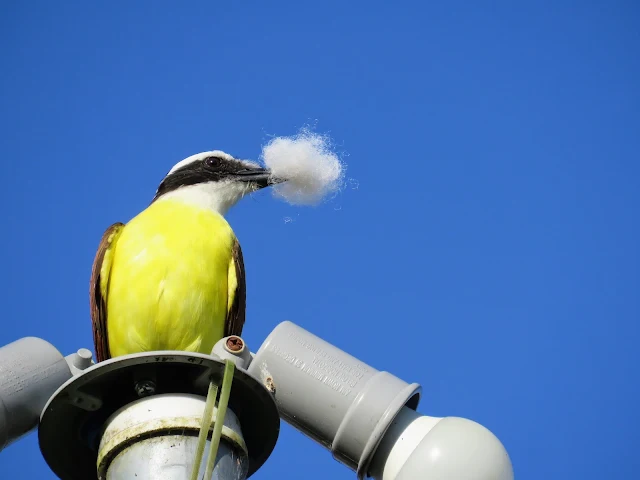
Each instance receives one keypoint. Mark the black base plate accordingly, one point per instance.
(72, 420)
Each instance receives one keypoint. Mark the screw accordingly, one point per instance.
(144, 388)
(234, 344)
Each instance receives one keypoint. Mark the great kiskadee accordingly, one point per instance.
(173, 277)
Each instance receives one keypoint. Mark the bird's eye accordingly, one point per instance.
(211, 161)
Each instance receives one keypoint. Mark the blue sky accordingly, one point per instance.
(492, 225)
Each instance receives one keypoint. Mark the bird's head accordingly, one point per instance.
(213, 180)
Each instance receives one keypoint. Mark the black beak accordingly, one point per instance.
(260, 176)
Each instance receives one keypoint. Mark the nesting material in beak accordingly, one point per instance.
(311, 170)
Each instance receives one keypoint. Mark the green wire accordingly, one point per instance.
(204, 428)
(229, 369)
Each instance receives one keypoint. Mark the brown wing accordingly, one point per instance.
(236, 314)
(97, 298)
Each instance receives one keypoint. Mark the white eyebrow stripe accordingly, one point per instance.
(200, 156)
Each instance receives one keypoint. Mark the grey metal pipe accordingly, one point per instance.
(332, 397)
(31, 369)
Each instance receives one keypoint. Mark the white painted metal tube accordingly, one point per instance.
(155, 438)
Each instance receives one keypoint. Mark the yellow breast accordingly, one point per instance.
(168, 285)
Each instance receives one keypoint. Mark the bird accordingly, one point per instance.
(173, 277)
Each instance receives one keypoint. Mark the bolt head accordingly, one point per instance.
(234, 344)
(144, 388)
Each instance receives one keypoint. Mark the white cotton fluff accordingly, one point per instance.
(306, 161)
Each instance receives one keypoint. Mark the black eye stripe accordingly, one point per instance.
(221, 166)
(206, 170)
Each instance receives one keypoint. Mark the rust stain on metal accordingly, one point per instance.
(268, 382)
(234, 343)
